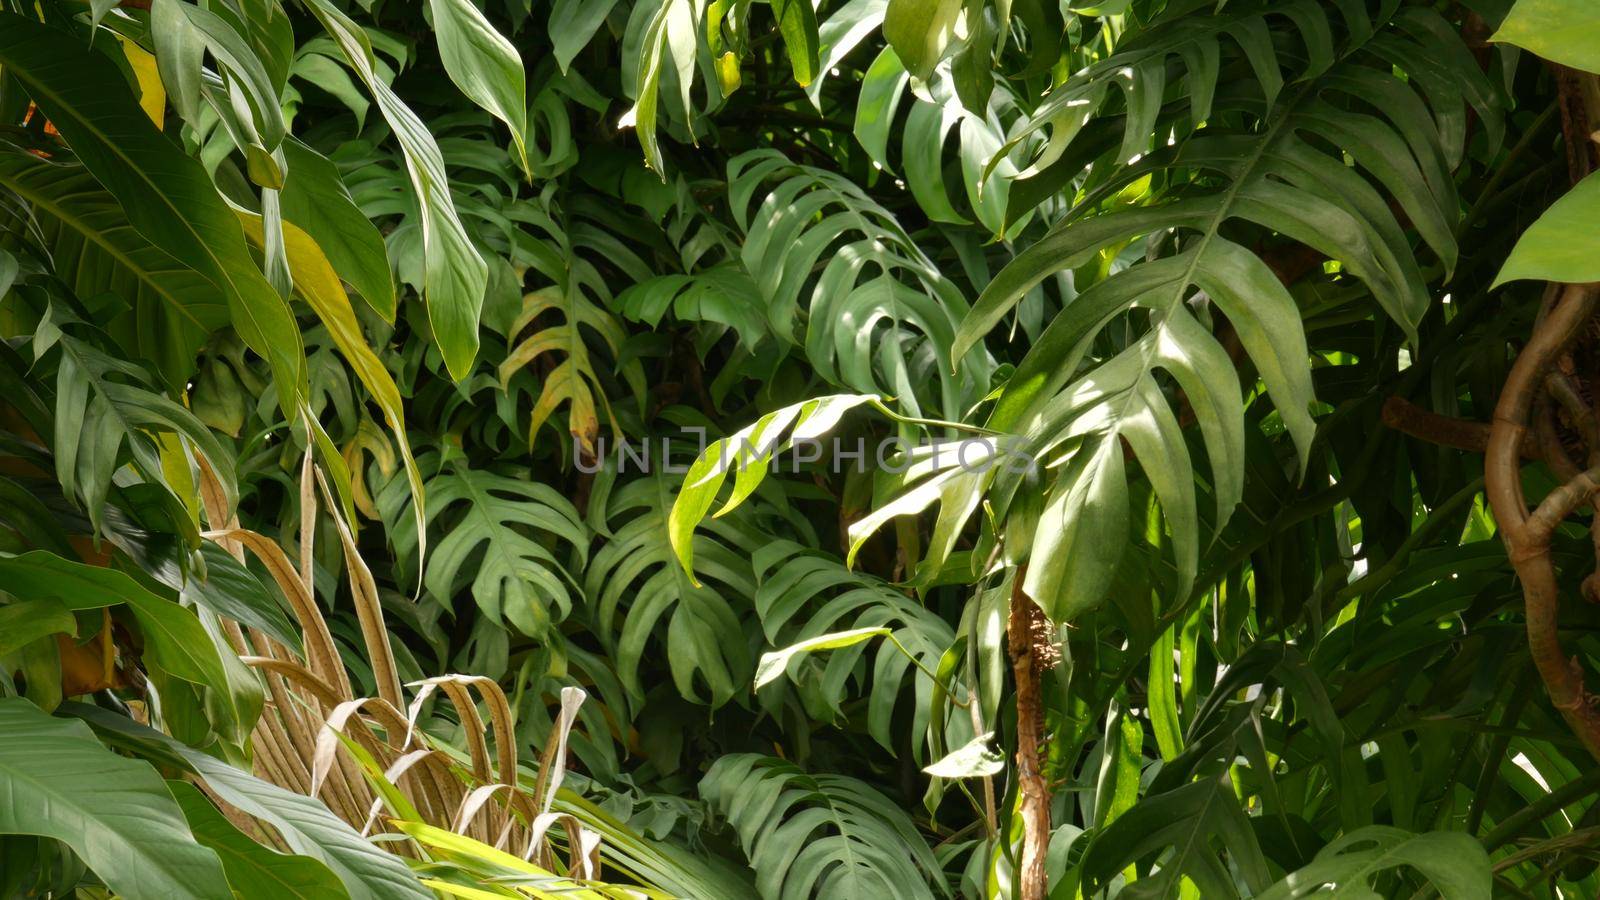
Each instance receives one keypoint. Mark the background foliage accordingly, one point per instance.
(337, 335)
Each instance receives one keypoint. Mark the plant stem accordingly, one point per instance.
(1528, 537)
(1026, 616)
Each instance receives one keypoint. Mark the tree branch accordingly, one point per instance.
(1527, 538)
(1424, 424)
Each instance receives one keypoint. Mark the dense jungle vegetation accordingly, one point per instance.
(848, 449)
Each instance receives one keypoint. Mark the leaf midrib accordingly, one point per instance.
(482, 508)
(43, 787)
(1225, 202)
(38, 88)
(97, 237)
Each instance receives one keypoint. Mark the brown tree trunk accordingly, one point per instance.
(1026, 628)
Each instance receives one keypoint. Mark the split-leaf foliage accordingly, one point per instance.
(714, 381)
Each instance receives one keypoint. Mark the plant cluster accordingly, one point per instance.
(420, 464)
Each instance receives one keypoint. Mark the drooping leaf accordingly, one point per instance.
(455, 275)
(669, 37)
(89, 102)
(484, 65)
(797, 23)
(190, 26)
(254, 872)
(747, 453)
(318, 284)
(573, 24)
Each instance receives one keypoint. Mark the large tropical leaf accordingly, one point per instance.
(1274, 176)
(176, 644)
(455, 275)
(254, 872)
(1559, 30)
(317, 200)
(823, 835)
(1454, 864)
(635, 583)
(805, 595)
(501, 536)
(1557, 246)
(307, 827)
(56, 780)
(1191, 824)
(484, 65)
(578, 295)
(95, 249)
(89, 102)
(874, 273)
(107, 414)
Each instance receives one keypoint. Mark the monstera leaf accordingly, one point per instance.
(1274, 176)
(578, 295)
(806, 595)
(636, 578)
(819, 835)
(500, 540)
(872, 271)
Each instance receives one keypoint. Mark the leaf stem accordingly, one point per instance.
(928, 672)
(878, 404)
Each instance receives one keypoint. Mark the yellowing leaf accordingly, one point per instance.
(318, 284)
(152, 96)
(177, 467)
